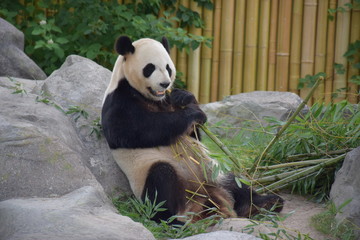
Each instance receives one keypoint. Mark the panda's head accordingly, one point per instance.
(147, 66)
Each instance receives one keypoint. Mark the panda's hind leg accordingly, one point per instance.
(247, 202)
(164, 184)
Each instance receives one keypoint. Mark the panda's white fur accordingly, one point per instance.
(152, 137)
(130, 69)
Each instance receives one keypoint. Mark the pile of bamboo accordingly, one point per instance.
(269, 45)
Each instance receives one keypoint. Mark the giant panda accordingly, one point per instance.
(153, 137)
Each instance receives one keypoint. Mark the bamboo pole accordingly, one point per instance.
(342, 43)
(215, 52)
(205, 75)
(277, 177)
(320, 49)
(283, 46)
(251, 35)
(181, 62)
(284, 182)
(272, 45)
(173, 50)
(308, 39)
(295, 52)
(238, 58)
(263, 53)
(284, 127)
(295, 164)
(226, 47)
(330, 54)
(193, 83)
(353, 96)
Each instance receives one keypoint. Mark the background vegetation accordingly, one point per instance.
(56, 29)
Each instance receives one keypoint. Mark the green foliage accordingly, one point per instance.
(326, 223)
(142, 211)
(325, 131)
(18, 87)
(310, 80)
(77, 112)
(346, 7)
(90, 27)
(325, 128)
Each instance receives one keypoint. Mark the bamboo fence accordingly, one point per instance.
(268, 45)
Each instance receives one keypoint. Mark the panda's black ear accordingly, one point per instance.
(165, 43)
(124, 45)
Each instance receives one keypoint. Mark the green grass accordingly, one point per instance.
(326, 223)
(142, 212)
(320, 134)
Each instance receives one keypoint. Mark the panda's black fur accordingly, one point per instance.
(144, 126)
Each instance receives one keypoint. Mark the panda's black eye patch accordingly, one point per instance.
(168, 69)
(148, 70)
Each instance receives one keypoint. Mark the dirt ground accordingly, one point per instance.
(299, 221)
(301, 218)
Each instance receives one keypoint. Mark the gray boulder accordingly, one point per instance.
(347, 186)
(222, 235)
(41, 154)
(81, 82)
(60, 156)
(83, 214)
(13, 61)
(249, 110)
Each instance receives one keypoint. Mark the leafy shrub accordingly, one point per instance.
(89, 28)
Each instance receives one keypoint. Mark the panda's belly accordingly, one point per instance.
(187, 156)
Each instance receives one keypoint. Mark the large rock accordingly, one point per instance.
(347, 186)
(83, 214)
(82, 82)
(249, 110)
(41, 154)
(60, 156)
(222, 235)
(13, 61)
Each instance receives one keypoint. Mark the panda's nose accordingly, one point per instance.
(164, 84)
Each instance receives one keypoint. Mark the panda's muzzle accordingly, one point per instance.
(159, 93)
(156, 93)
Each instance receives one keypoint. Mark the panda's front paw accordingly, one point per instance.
(195, 113)
(182, 98)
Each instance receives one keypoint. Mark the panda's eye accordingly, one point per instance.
(168, 69)
(148, 70)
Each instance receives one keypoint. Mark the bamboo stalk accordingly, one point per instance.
(173, 50)
(193, 83)
(353, 96)
(284, 127)
(308, 39)
(330, 54)
(222, 146)
(238, 58)
(251, 35)
(181, 62)
(272, 45)
(205, 75)
(295, 164)
(295, 52)
(215, 52)
(263, 53)
(283, 46)
(320, 49)
(226, 47)
(308, 155)
(342, 42)
(283, 182)
(277, 177)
